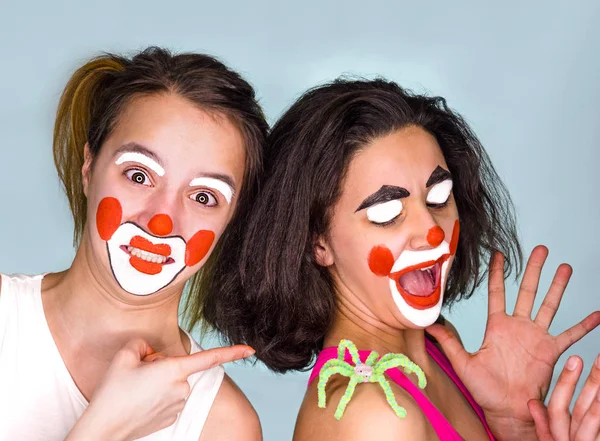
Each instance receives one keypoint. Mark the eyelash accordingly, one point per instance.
(385, 224)
(439, 206)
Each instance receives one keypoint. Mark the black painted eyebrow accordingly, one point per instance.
(438, 175)
(385, 194)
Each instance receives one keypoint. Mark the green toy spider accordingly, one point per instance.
(371, 371)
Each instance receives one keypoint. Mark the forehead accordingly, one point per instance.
(186, 138)
(405, 158)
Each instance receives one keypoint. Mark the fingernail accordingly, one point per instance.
(598, 361)
(572, 363)
(249, 353)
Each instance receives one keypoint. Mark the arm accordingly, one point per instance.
(125, 407)
(220, 426)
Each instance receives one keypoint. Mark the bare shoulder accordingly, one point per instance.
(231, 416)
(367, 416)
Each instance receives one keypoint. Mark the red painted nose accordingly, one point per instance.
(161, 225)
(435, 236)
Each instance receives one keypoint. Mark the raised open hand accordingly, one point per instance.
(555, 423)
(517, 357)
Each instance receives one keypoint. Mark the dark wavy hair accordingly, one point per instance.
(269, 292)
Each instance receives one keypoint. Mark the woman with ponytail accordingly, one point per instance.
(159, 154)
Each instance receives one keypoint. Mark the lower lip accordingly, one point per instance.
(145, 267)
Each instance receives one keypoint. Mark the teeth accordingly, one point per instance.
(428, 268)
(145, 255)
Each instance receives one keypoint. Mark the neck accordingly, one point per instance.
(355, 322)
(86, 307)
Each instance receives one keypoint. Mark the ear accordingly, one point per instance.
(86, 169)
(322, 250)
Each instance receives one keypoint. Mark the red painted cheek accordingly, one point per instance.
(161, 225)
(435, 236)
(198, 246)
(108, 217)
(455, 234)
(381, 260)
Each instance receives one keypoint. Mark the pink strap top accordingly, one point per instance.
(440, 424)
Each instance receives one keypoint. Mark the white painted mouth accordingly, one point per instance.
(408, 259)
(129, 278)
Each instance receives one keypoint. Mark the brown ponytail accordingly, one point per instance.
(71, 130)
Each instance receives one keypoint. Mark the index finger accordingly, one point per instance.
(204, 360)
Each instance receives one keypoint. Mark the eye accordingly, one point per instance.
(385, 212)
(440, 193)
(205, 198)
(137, 176)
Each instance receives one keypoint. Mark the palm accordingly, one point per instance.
(517, 357)
(514, 364)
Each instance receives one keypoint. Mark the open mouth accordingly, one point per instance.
(147, 257)
(419, 285)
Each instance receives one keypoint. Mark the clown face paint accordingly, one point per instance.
(372, 246)
(216, 184)
(141, 159)
(382, 213)
(417, 278)
(144, 263)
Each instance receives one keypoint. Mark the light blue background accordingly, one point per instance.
(525, 75)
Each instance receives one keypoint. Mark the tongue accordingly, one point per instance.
(417, 283)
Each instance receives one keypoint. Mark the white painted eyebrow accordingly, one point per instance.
(223, 187)
(142, 159)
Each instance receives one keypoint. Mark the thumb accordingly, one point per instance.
(201, 361)
(133, 352)
(540, 418)
(451, 346)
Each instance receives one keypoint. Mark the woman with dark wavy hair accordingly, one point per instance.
(380, 207)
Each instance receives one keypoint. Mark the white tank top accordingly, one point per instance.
(39, 400)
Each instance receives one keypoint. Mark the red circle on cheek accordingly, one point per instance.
(381, 260)
(198, 246)
(161, 225)
(108, 217)
(435, 236)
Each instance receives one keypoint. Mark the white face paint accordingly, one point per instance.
(408, 259)
(440, 193)
(141, 159)
(384, 212)
(216, 184)
(121, 254)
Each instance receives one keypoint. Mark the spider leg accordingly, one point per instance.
(390, 361)
(330, 368)
(391, 399)
(373, 356)
(339, 412)
(347, 344)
